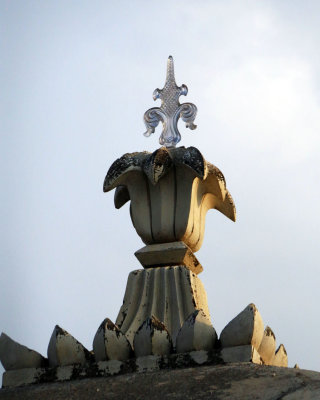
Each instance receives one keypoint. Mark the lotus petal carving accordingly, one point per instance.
(171, 191)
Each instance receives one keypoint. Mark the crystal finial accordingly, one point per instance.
(170, 110)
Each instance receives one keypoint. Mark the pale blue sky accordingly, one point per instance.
(76, 78)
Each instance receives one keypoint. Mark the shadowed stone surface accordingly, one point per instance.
(14, 355)
(152, 338)
(235, 381)
(197, 333)
(245, 329)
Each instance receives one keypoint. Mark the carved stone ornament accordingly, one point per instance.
(164, 320)
(171, 191)
(170, 110)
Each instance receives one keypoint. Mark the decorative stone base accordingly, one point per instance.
(171, 294)
(27, 376)
(224, 382)
(238, 354)
(166, 254)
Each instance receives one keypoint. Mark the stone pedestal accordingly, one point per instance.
(170, 294)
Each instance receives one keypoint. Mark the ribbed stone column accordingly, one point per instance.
(170, 294)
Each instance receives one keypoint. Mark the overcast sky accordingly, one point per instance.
(76, 78)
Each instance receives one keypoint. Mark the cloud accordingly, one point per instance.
(268, 105)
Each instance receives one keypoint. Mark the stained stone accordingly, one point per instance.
(239, 381)
(64, 349)
(170, 294)
(197, 333)
(110, 343)
(14, 355)
(152, 338)
(245, 329)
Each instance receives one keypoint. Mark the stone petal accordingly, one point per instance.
(196, 333)
(246, 328)
(192, 158)
(152, 338)
(281, 357)
(110, 343)
(157, 165)
(14, 355)
(121, 196)
(267, 347)
(128, 162)
(227, 206)
(64, 349)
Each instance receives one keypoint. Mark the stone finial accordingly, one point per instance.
(170, 110)
(197, 333)
(267, 347)
(110, 343)
(14, 355)
(64, 349)
(245, 329)
(152, 338)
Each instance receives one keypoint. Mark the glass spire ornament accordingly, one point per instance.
(170, 110)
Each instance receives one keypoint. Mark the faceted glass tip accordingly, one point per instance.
(170, 110)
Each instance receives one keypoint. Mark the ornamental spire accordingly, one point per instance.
(170, 110)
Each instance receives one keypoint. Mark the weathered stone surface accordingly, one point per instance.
(155, 165)
(245, 329)
(110, 343)
(280, 359)
(246, 353)
(20, 377)
(109, 368)
(148, 363)
(197, 333)
(166, 254)
(171, 191)
(64, 373)
(223, 382)
(152, 338)
(158, 164)
(170, 294)
(303, 394)
(267, 347)
(64, 349)
(14, 355)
